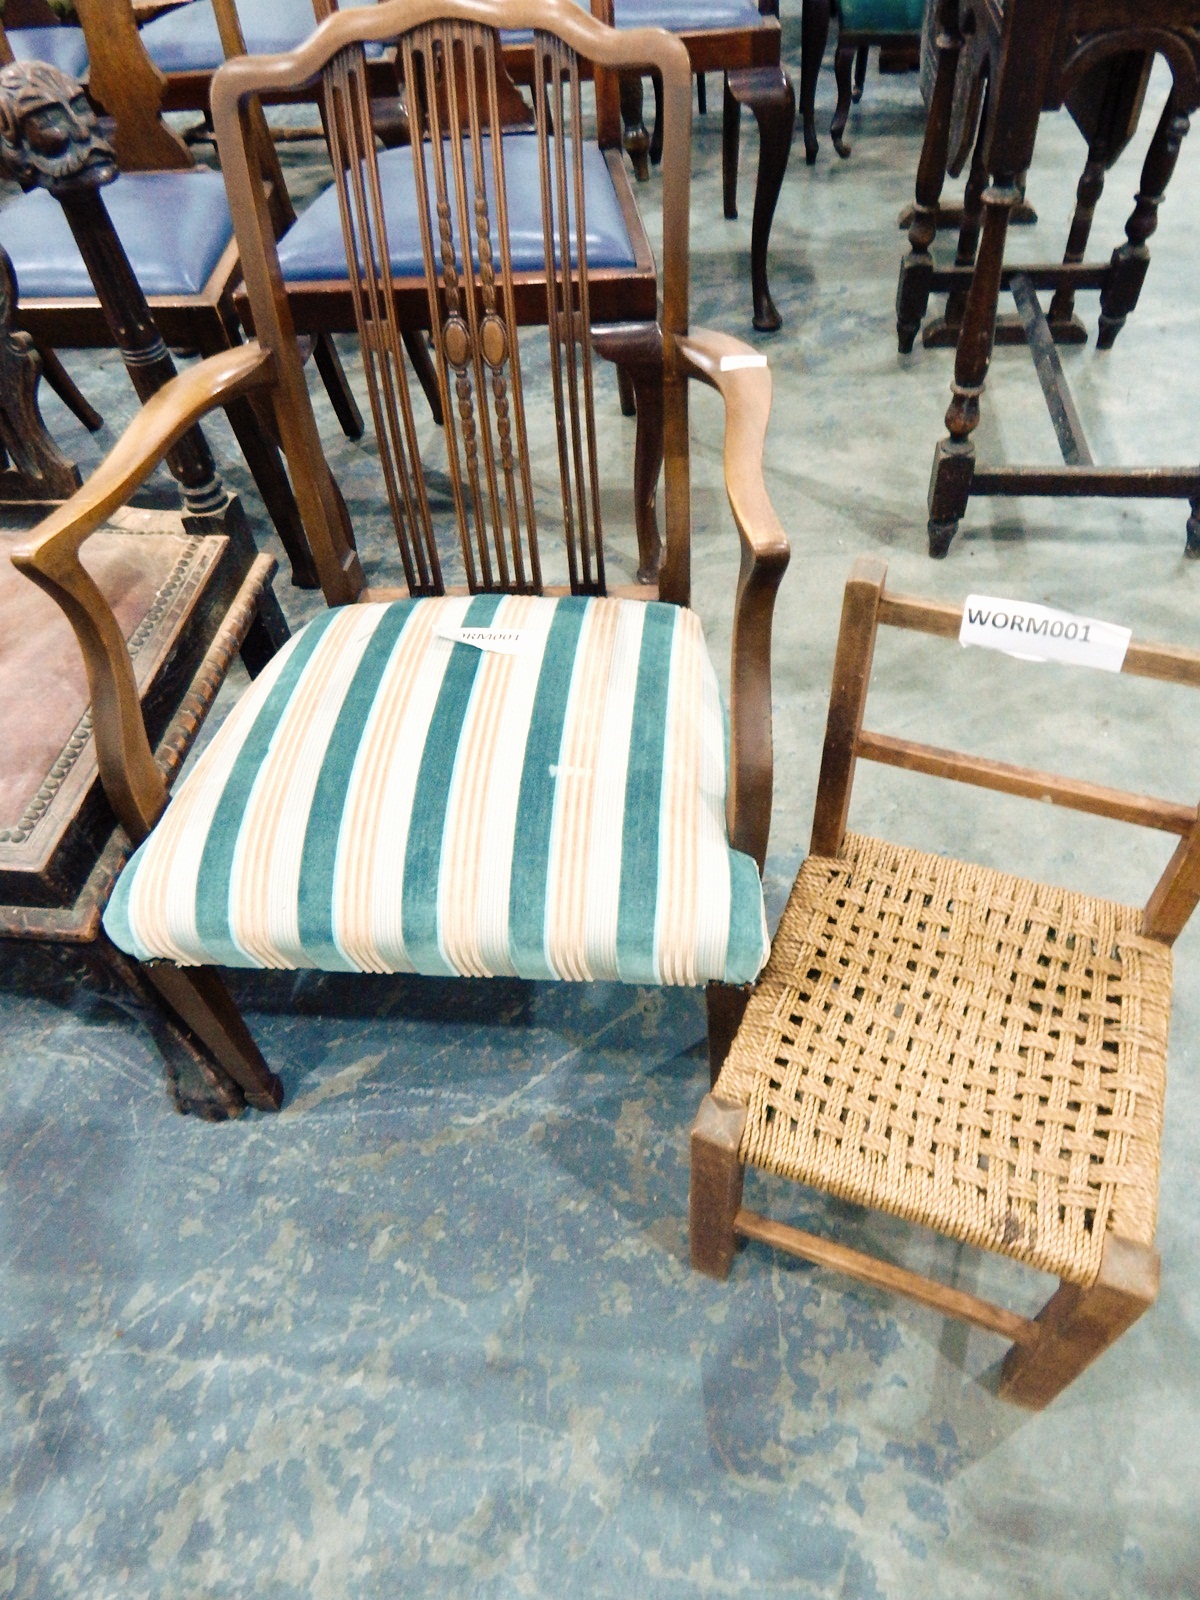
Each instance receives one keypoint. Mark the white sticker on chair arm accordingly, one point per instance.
(1038, 633)
(504, 641)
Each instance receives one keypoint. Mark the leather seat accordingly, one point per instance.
(174, 226)
(64, 48)
(312, 250)
(187, 40)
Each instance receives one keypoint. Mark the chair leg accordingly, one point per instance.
(814, 35)
(947, 328)
(701, 94)
(656, 134)
(916, 271)
(422, 365)
(265, 461)
(769, 93)
(860, 72)
(715, 1189)
(1127, 270)
(843, 69)
(726, 1006)
(199, 998)
(1079, 1324)
(637, 139)
(625, 392)
(731, 135)
(1061, 315)
(337, 386)
(197, 1085)
(954, 458)
(68, 391)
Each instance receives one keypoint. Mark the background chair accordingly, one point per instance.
(975, 1052)
(586, 833)
(894, 25)
(999, 72)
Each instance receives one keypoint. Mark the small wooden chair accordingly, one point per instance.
(575, 809)
(894, 25)
(976, 1052)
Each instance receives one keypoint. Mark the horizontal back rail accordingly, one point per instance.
(866, 607)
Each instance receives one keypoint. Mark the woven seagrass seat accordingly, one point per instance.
(975, 1052)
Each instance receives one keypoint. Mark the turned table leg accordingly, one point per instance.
(916, 271)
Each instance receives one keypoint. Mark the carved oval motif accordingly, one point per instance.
(456, 342)
(495, 341)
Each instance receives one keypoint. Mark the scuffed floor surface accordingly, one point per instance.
(431, 1331)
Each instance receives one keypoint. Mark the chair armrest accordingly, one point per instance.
(50, 557)
(743, 379)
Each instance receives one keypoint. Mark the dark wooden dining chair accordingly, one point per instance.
(981, 1054)
(526, 775)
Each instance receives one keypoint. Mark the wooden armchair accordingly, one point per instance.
(972, 1051)
(526, 775)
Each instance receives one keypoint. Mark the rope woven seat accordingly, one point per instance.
(976, 1052)
(969, 1050)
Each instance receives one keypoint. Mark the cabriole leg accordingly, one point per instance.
(769, 93)
(814, 35)
(843, 70)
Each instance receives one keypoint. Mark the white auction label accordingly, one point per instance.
(504, 641)
(1038, 633)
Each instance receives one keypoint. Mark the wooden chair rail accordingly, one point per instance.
(1168, 663)
(1028, 782)
(883, 1275)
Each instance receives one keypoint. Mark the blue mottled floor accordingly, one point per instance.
(431, 1331)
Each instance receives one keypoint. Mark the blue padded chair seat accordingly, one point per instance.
(64, 48)
(174, 226)
(187, 40)
(676, 16)
(688, 16)
(312, 250)
(881, 16)
(387, 797)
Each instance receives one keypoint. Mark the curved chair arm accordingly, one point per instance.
(132, 781)
(742, 377)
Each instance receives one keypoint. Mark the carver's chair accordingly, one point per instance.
(976, 1052)
(527, 776)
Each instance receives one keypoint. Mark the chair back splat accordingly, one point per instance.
(477, 287)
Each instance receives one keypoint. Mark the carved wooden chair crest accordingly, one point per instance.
(517, 777)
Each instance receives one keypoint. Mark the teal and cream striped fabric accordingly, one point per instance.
(387, 798)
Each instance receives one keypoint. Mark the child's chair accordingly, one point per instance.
(976, 1052)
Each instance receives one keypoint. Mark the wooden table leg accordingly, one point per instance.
(954, 458)
(916, 271)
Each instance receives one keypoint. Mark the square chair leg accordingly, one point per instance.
(1079, 1324)
(715, 1192)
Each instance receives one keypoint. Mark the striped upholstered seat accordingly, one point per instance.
(387, 798)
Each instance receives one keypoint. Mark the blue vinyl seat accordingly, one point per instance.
(178, 259)
(880, 17)
(312, 250)
(64, 48)
(187, 39)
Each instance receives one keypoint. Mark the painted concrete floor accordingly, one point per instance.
(432, 1331)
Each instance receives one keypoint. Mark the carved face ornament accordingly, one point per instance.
(48, 132)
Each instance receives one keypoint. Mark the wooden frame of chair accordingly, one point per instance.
(473, 311)
(1077, 1324)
